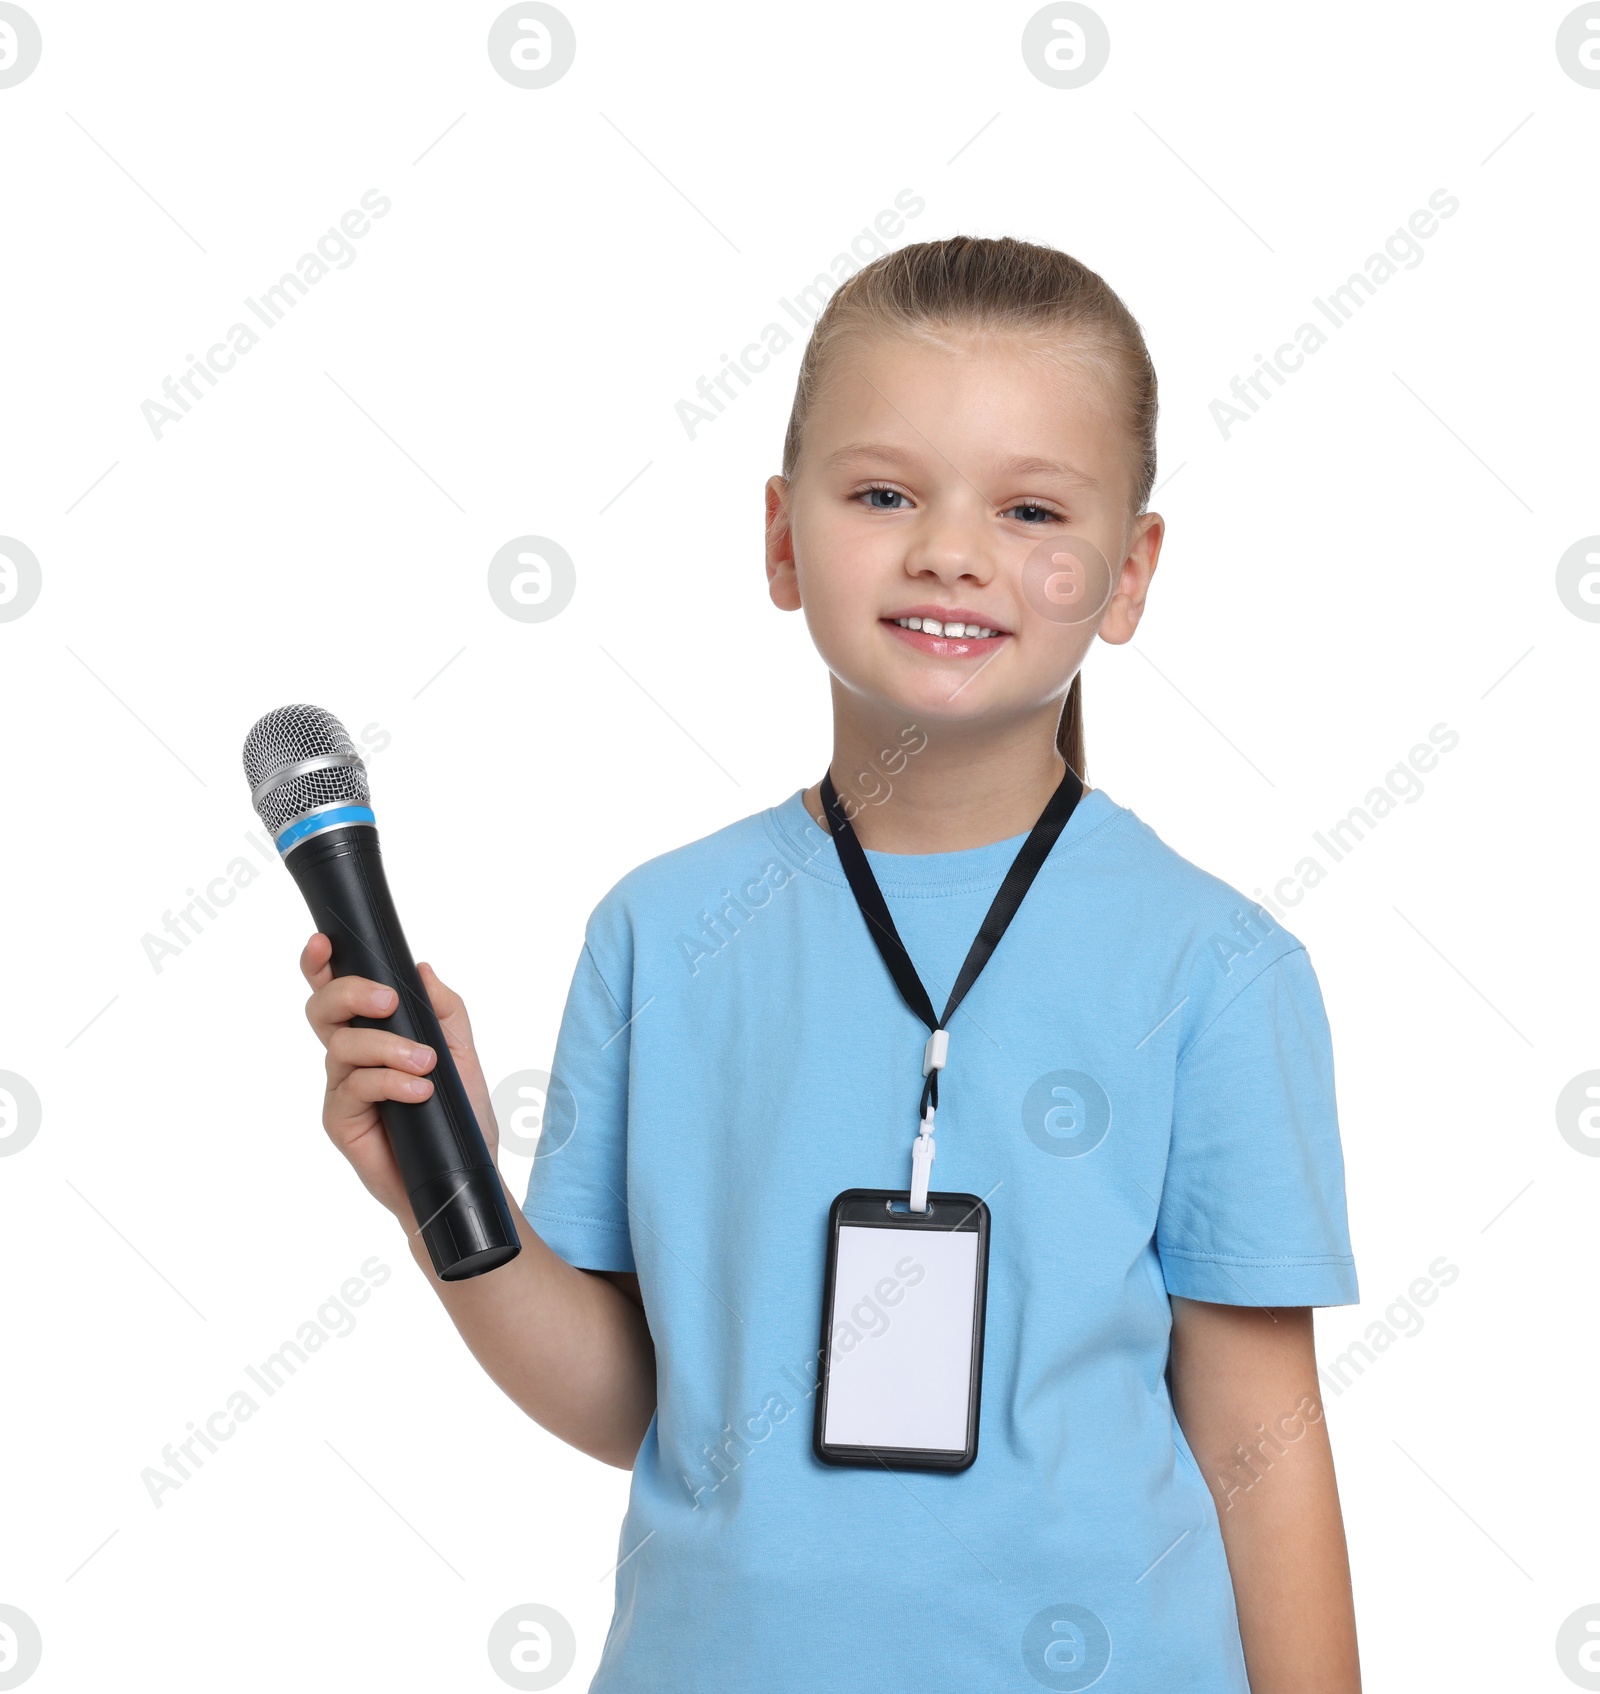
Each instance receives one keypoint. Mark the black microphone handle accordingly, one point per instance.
(451, 1182)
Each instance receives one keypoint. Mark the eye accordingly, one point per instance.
(865, 494)
(1043, 514)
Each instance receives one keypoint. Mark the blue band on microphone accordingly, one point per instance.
(319, 821)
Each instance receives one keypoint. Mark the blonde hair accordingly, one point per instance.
(1004, 285)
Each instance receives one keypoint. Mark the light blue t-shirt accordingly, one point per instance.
(1140, 1082)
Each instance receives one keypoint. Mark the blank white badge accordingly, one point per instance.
(900, 1338)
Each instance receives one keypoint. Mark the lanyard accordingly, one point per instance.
(880, 925)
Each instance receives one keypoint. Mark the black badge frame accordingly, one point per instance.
(872, 1208)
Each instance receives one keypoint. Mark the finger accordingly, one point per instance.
(314, 960)
(367, 1086)
(346, 997)
(354, 1048)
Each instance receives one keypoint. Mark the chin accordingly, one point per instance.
(928, 704)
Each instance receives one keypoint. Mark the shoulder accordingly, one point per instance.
(1217, 939)
(673, 887)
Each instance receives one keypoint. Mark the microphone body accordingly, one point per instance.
(331, 850)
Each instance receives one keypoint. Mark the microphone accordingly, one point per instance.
(309, 787)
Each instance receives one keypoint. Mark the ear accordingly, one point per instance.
(1133, 581)
(782, 582)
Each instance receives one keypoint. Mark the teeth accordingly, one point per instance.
(932, 626)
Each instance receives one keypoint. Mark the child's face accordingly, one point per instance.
(912, 500)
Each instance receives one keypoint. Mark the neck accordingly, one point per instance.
(960, 789)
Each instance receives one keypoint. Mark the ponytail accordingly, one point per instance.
(1069, 732)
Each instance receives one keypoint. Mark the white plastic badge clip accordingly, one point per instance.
(934, 1058)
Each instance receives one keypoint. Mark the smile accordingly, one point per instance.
(946, 637)
(932, 626)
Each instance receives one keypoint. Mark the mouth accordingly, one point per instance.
(946, 632)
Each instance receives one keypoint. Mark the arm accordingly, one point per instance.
(570, 1347)
(1234, 1368)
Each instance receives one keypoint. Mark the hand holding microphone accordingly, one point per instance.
(368, 1066)
(378, 1019)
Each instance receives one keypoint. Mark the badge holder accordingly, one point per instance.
(902, 1332)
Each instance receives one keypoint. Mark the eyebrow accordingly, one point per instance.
(1025, 465)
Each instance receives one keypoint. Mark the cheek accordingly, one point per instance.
(841, 575)
(836, 613)
(1048, 651)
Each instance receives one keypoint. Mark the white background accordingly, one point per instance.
(1373, 554)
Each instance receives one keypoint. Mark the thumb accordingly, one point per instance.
(449, 1005)
(453, 1020)
(432, 982)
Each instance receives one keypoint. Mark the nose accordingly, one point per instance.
(950, 546)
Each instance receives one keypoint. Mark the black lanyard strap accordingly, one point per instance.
(880, 922)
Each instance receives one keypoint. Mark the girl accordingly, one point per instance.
(1138, 1090)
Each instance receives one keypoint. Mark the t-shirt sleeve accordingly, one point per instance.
(578, 1185)
(1253, 1208)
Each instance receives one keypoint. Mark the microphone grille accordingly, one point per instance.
(284, 738)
